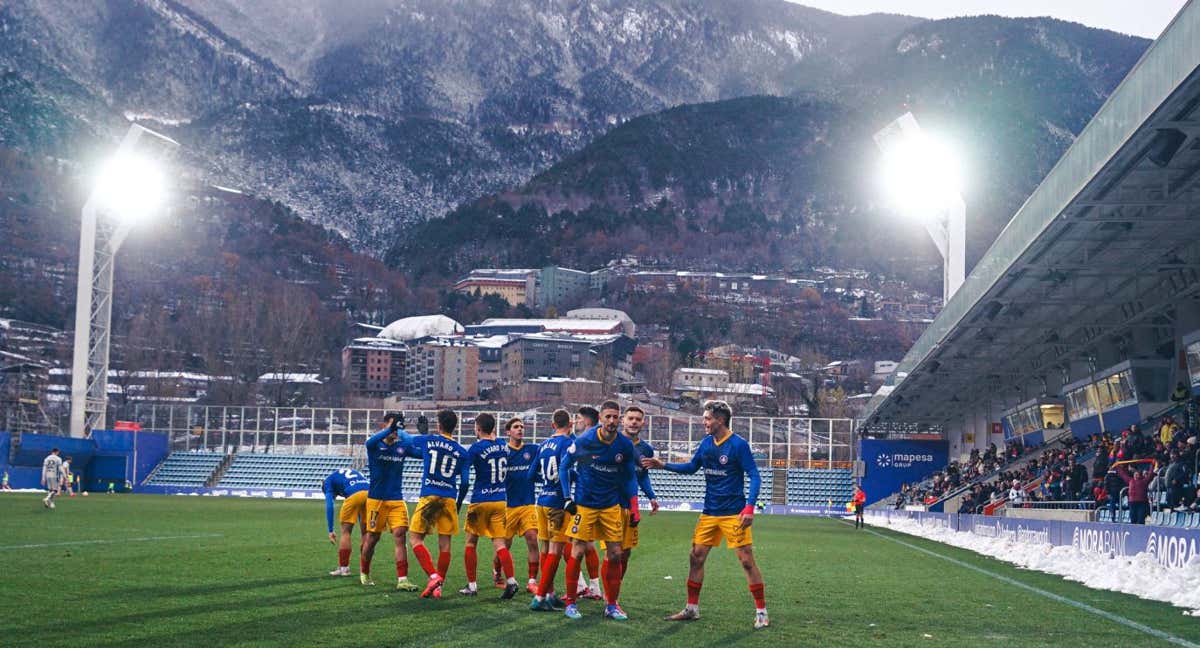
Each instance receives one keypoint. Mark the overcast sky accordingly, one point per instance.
(1142, 18)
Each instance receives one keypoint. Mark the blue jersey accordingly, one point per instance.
(387, 465)
(520, 482)
(605, 470)
(341, 483)
(490, 461)
(545, 470)
(725, 467)
(444, 470)
(643, 450)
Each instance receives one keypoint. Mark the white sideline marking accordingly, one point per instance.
(116, 541)
(1179, 641)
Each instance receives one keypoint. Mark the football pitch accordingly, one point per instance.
(129, 570)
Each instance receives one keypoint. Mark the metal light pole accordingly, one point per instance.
(99, 240)
(926, 177)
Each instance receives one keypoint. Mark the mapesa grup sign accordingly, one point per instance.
(890, 463)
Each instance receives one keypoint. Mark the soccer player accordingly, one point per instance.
(606, 477)
(385, 499)
(860, 499)
(51, 477)
(550, 514)
(66, 478)
(631, 427)
(588, 417)
(521, 514)
(4, 482)
(485, 514)
(726, 460)
(445, 462)
(352, 487)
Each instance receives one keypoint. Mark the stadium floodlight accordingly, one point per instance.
(923, 180)
(128, 189)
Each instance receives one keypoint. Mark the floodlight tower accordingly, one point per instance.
(130, 187)
(922, 177)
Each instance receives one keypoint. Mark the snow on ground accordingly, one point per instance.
(1140, 575)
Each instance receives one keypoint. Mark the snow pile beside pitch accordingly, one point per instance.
(1140, 575)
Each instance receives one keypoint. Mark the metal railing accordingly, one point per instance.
(777, 442)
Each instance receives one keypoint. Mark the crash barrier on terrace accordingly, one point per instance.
(1171, 547)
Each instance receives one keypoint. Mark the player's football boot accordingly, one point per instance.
(593, 593)
(340, 571)
(540, 605)
(51, 504)
(405, 585)
(498, 579)
(46, 502)
(467, 591)
(510, 590)
(531, 586)
(761, 620)
(434, 585)
(365, 579)
(556, 602)
(572, 612)
(686, 614)
(615, 613)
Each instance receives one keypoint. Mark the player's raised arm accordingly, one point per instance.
(377, 438)
(686, 468)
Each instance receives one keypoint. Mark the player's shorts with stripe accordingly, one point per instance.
(521, 519)
(596, 524)
(384, 515)
(487, 520)
(354, 508)
(435, 514)
(548, 529)
(630, 538)
(710, 529)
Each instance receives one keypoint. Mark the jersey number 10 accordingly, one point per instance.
(442, 464)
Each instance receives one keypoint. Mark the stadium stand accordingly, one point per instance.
(816, 487)
(690, 488)
(186, 469)
(250, 470)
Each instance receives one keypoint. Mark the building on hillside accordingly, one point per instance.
(607, 357)
(442, 368)
(289, 389)
(728, 287)
(373, 367)
(560, 391)
(562, 285)
(518, 326)
(696, 379)
(515, 286)
(491, 360)
(605, 314)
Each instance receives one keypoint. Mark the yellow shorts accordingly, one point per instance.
(596, 524)
(435, 513)
(548, 530)
(385, 515)
(711, 528)
(354, 507)
(486, 519)
(630, 538)
(521, 519)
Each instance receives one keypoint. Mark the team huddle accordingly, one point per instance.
(578, 488)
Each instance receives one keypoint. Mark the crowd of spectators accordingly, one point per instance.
(977, 467)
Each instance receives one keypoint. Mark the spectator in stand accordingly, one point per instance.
(1113, 484)
(1181, 395)
(1100, 467)
(1166, 430)
(1191, 500)
(1016, 495)
(1178, 478)
(1139, 499)
(1099, 494)
(1077, 480)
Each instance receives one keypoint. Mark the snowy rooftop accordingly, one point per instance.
(411, 328)
(558, 324)
(295, 378)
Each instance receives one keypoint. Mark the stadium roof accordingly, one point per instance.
(1100, 251)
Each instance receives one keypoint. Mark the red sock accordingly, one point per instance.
(506, 562)
(612, 582)
(402, 568)
(471, 562)
(549, 567)
(593, 562)
(760, 599)
(343, 557)
(624, 565)
(496, 566)
(604, 570)
(533, 570)
(443, 563)
(572, 578)
(363, 565)
(693, 589)
(423, 558)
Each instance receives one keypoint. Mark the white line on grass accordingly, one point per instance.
(116, 541)
(1036, 590)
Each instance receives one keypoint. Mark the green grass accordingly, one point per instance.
(255, 576)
